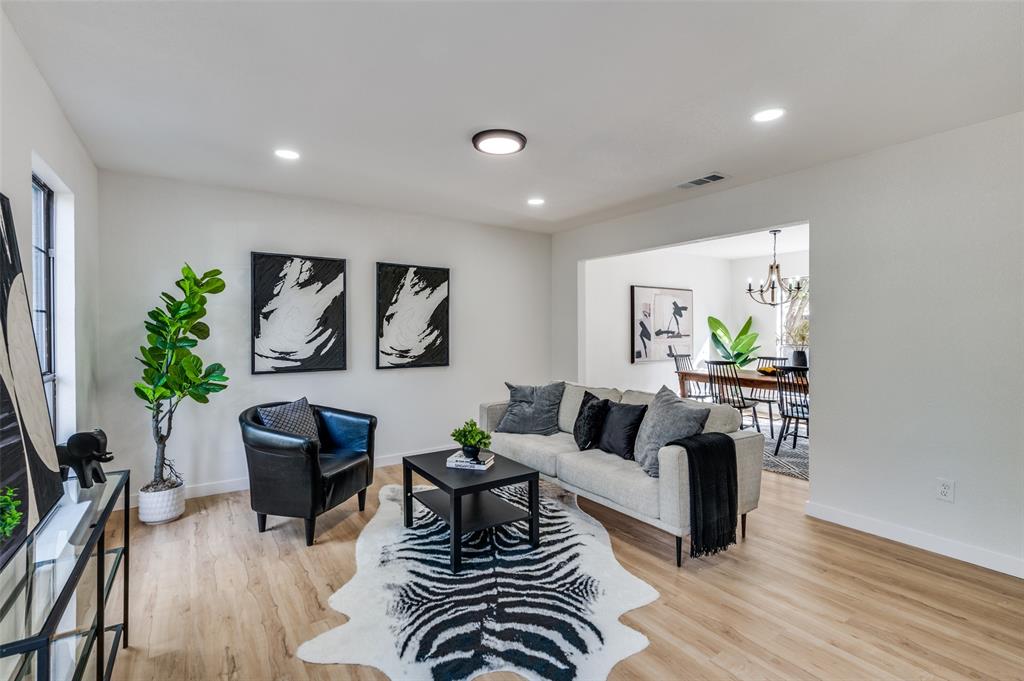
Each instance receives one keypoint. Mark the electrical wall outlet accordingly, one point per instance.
(945, 490)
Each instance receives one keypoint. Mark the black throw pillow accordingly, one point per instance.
(294, 418)
(621, 424)
(589, 420)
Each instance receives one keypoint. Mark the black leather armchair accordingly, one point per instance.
(293, 476)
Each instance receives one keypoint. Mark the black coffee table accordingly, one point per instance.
(463, 498)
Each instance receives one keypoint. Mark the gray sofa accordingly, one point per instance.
(612, 481)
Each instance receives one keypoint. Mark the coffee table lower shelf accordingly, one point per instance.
(480, 510)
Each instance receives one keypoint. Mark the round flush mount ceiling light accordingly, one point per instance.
(499, 142)
(535, 201)
(768, 115)
(287, 154)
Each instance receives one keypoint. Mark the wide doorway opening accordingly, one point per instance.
(724, 320)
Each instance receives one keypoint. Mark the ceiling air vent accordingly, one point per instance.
(701, 181)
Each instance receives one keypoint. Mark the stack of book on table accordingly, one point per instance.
(458, 460)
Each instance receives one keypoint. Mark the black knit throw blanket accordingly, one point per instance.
(712, 462)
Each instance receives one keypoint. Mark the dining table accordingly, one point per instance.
(747, 379)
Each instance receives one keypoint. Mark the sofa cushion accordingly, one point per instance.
(722, 419)
(532, 409)
(668, 419)
(535, 451)
(636, 397)
(611, 477)
(572, 398)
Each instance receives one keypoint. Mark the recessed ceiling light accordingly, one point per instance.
(768, 115)
(499, 142)
(535, 201)
(287, 154)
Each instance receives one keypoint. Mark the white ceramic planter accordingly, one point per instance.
(163, 506)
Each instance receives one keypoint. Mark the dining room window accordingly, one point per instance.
(43, 292)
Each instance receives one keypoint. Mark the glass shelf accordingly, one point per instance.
(51, 600)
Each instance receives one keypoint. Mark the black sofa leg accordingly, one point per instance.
(743, 526)
(310, 529)
(362, 500)
(679, 552)
(261, 522)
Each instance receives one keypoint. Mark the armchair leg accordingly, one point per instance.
(310, 529)
(261, 522)
(362, 500)
(743, 526)
(679, 552)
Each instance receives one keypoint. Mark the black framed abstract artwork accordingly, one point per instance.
(30, 481)
(661, 323)
(412, 316)
(298, 313)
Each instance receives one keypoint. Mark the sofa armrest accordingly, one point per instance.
(491, 413)
(674, 479)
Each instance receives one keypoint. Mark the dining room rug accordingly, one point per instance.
(550, 613)
(794, 462)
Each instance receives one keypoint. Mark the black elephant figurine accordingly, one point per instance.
(84, 452)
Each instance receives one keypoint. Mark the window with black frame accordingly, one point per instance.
(42, 288)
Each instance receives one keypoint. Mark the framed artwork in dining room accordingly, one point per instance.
(298, 313)
(661, 323)
(412, 316)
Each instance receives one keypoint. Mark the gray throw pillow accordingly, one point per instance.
(668, 419)
(532, 409)
(294, 418)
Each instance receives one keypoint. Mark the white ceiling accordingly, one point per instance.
(621, 101)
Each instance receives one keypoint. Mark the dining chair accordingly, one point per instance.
(794, 402)
(768, 396)
(695, 390)
(725, 387)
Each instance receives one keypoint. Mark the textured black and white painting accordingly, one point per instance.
(661, 321)
(298, 313)
(412, 316)
(550, 613)
(28, 453)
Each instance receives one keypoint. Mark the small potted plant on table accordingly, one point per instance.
(172, 372)
(473, 438)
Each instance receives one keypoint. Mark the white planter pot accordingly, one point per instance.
(163, 506)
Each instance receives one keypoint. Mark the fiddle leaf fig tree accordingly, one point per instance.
(172, 371)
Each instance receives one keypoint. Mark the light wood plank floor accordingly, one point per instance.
(799, 599)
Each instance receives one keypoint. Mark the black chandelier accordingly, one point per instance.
(773, 291)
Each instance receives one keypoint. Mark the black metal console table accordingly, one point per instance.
(55, 589)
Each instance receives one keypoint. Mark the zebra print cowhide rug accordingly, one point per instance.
(547, 613)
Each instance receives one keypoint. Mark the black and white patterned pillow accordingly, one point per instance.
(296, 418)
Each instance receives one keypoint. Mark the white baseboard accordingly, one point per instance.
(396, 458)
(205, 489)
(1000, 562)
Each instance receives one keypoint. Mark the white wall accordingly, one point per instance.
(500, 287)
(924, 241)
(796, 264)
(606, 329)
(35, 135)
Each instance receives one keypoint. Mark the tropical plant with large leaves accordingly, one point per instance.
(739, 349)
(171, 371)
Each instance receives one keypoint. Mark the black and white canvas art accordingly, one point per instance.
(298, 313)
(30, 481)
(661, 323)
(412, 316)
